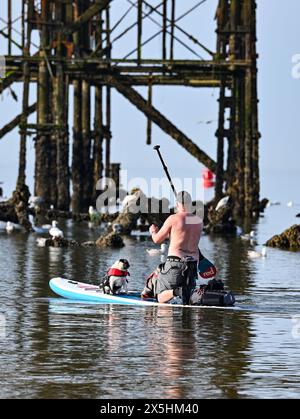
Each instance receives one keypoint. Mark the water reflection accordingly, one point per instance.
(56, 348)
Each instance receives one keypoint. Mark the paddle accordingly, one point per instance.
(206, 269)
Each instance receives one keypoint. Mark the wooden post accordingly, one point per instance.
(82, 163)
(164, 33)
(86, 145)
(236, 153)
(222, 16)
(220, 145)
(42, 166)
(222, 42)
(115, 175)
(251, 116)
(108, 100)
(60, 99)
(140, 30)
(25, 105)
(9, 26)
(173, 13)
(77, 160)
(98, 139)
(255, 126)
(98, 120)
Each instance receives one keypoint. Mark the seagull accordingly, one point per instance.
(131, 199)
(223, 203)
(258, 255)
(248, 237)
(55, 232)
(290, 204)
(9, 227)
(153, 252)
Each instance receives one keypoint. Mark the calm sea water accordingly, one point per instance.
(53, 348)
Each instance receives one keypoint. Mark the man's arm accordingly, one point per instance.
(159, 236)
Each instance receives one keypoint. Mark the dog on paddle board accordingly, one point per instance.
(115, 280)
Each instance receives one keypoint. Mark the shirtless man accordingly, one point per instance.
(179, 273)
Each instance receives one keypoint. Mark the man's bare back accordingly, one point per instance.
(184, 230)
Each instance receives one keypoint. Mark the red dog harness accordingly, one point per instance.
(117, 272)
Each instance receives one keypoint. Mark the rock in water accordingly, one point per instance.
(288, 240)
(220, 222)
(88, 244)
(111, 240)
(57, 242)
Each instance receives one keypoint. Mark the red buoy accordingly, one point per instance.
(207, 174)
(208, 179)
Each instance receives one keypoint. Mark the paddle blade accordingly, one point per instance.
(206, 269)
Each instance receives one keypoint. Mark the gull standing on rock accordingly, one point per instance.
(55, 232)
(223, 203)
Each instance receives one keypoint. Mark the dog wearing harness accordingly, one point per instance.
(115, 280)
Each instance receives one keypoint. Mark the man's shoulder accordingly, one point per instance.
(172, 218)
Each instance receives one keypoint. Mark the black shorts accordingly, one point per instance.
(177, 273)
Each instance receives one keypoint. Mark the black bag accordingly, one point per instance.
(213, 295)
(218, 299)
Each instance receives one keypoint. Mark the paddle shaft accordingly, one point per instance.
(157, 148)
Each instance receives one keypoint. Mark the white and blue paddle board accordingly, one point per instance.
(80, 291)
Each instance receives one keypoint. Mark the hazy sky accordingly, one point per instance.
(188, 108)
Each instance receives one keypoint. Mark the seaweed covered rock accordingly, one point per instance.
(20, 201)
(111, 240)
(137, 206)
(288, 240)
(127, 220)
(220, 220)
(15, 209)
(57, 242)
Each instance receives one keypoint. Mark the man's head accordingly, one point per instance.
(184, 201)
